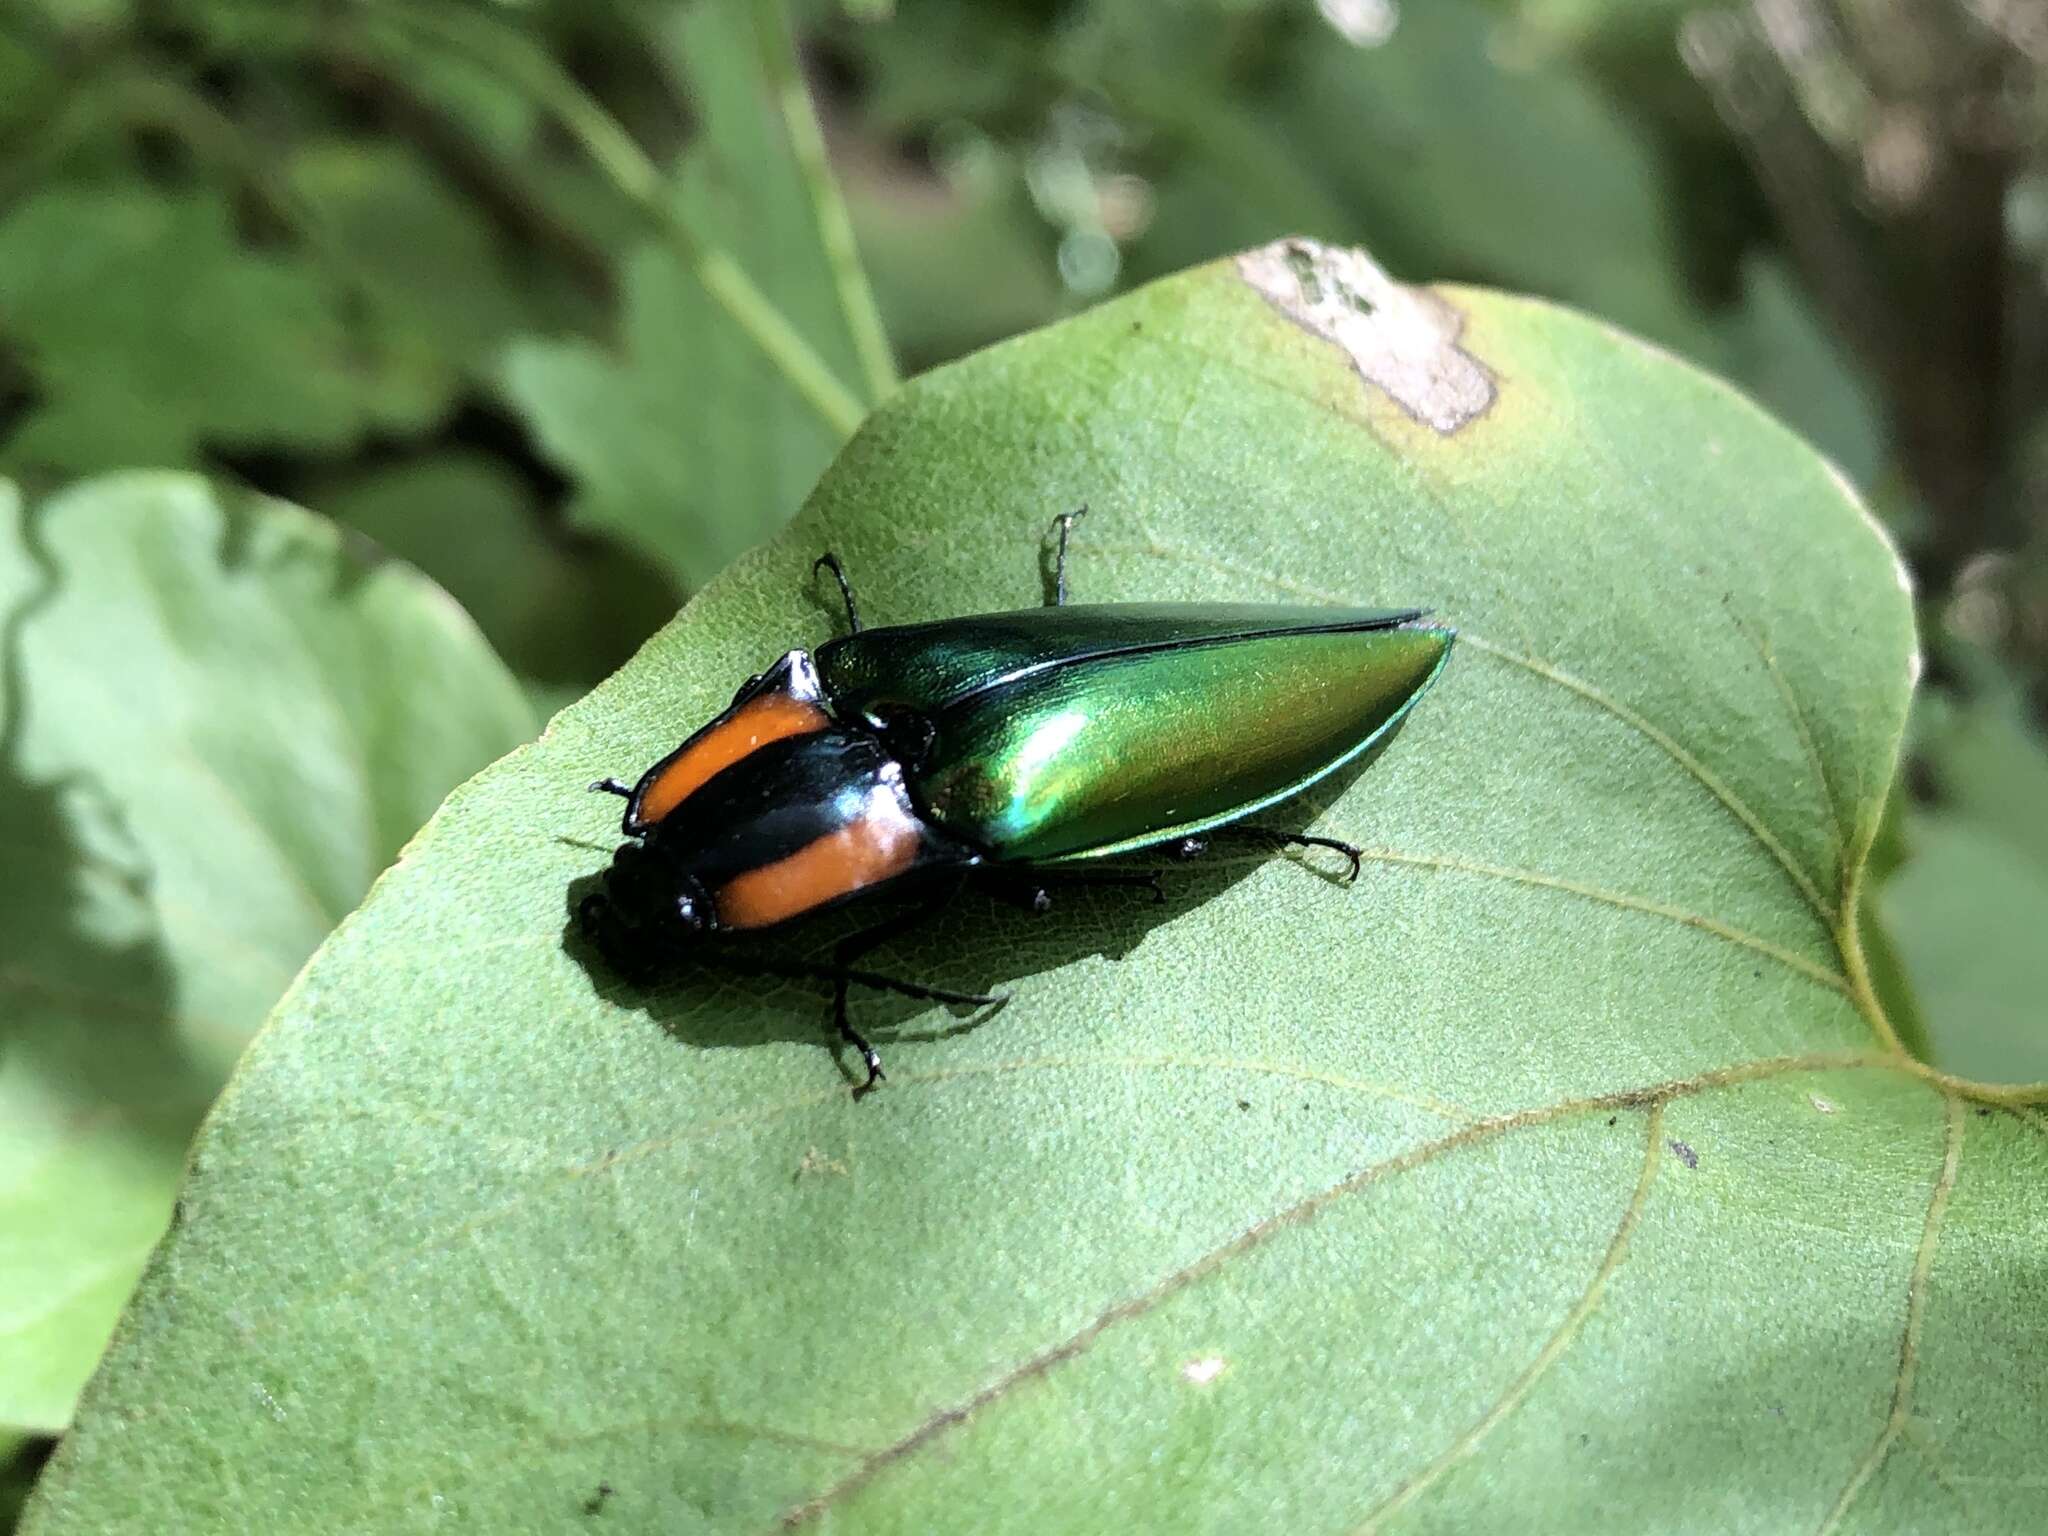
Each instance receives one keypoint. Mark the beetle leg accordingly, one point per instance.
(852, 947)
(830, 562)
(854, 1037)
(612, 787)
(1065, 523)
(1277, 839)
(843, 977)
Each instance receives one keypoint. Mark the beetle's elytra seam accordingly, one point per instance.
(1405, 618)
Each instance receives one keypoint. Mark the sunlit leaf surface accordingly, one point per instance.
(1559, 1175)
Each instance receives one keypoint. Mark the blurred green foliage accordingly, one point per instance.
(550, 299)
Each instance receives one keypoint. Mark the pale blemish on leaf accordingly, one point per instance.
(1200, 1372)
(1825, 1106)
(816, 1162)
(1403, 340)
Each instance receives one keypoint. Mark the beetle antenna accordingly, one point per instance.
(830, 562)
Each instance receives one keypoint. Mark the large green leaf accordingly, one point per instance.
(218, 727)
(1558, 1174)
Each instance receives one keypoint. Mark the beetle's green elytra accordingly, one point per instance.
(1013, 749)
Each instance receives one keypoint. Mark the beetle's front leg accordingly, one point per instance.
(1064, 523)
(830, 562)
(850, 949)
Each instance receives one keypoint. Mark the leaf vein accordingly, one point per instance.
(1553, 1348)
(956, 1415)
(1670, 746)
(1916, 1309)
(1801, 726)
(1622, 899)
(1655, 734)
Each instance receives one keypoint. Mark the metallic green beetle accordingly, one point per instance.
(1014, 749)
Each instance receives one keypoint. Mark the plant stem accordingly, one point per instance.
(629, 169)
(835, 229)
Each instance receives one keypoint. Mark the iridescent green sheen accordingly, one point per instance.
(1076, 732)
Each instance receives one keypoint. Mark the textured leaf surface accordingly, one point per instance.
(1555, 1175)
(218, 728)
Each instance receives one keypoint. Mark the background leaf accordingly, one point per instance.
(1776, 346)
(152, 332)
(1556, 1174)
(1971, 894)
(186, 677)
(684, 440)
(440, 299)
(557, 606)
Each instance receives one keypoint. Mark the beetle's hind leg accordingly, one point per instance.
(1195, 847)
(830, 562)
(853, 946)
(842, 979)
(612, 787)
(1065, 524)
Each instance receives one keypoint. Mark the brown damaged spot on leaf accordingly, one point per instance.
(1403, 340)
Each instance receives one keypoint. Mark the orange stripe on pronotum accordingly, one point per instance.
(772, 717)
(865, 852)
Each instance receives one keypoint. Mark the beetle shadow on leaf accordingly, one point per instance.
(978, 942)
